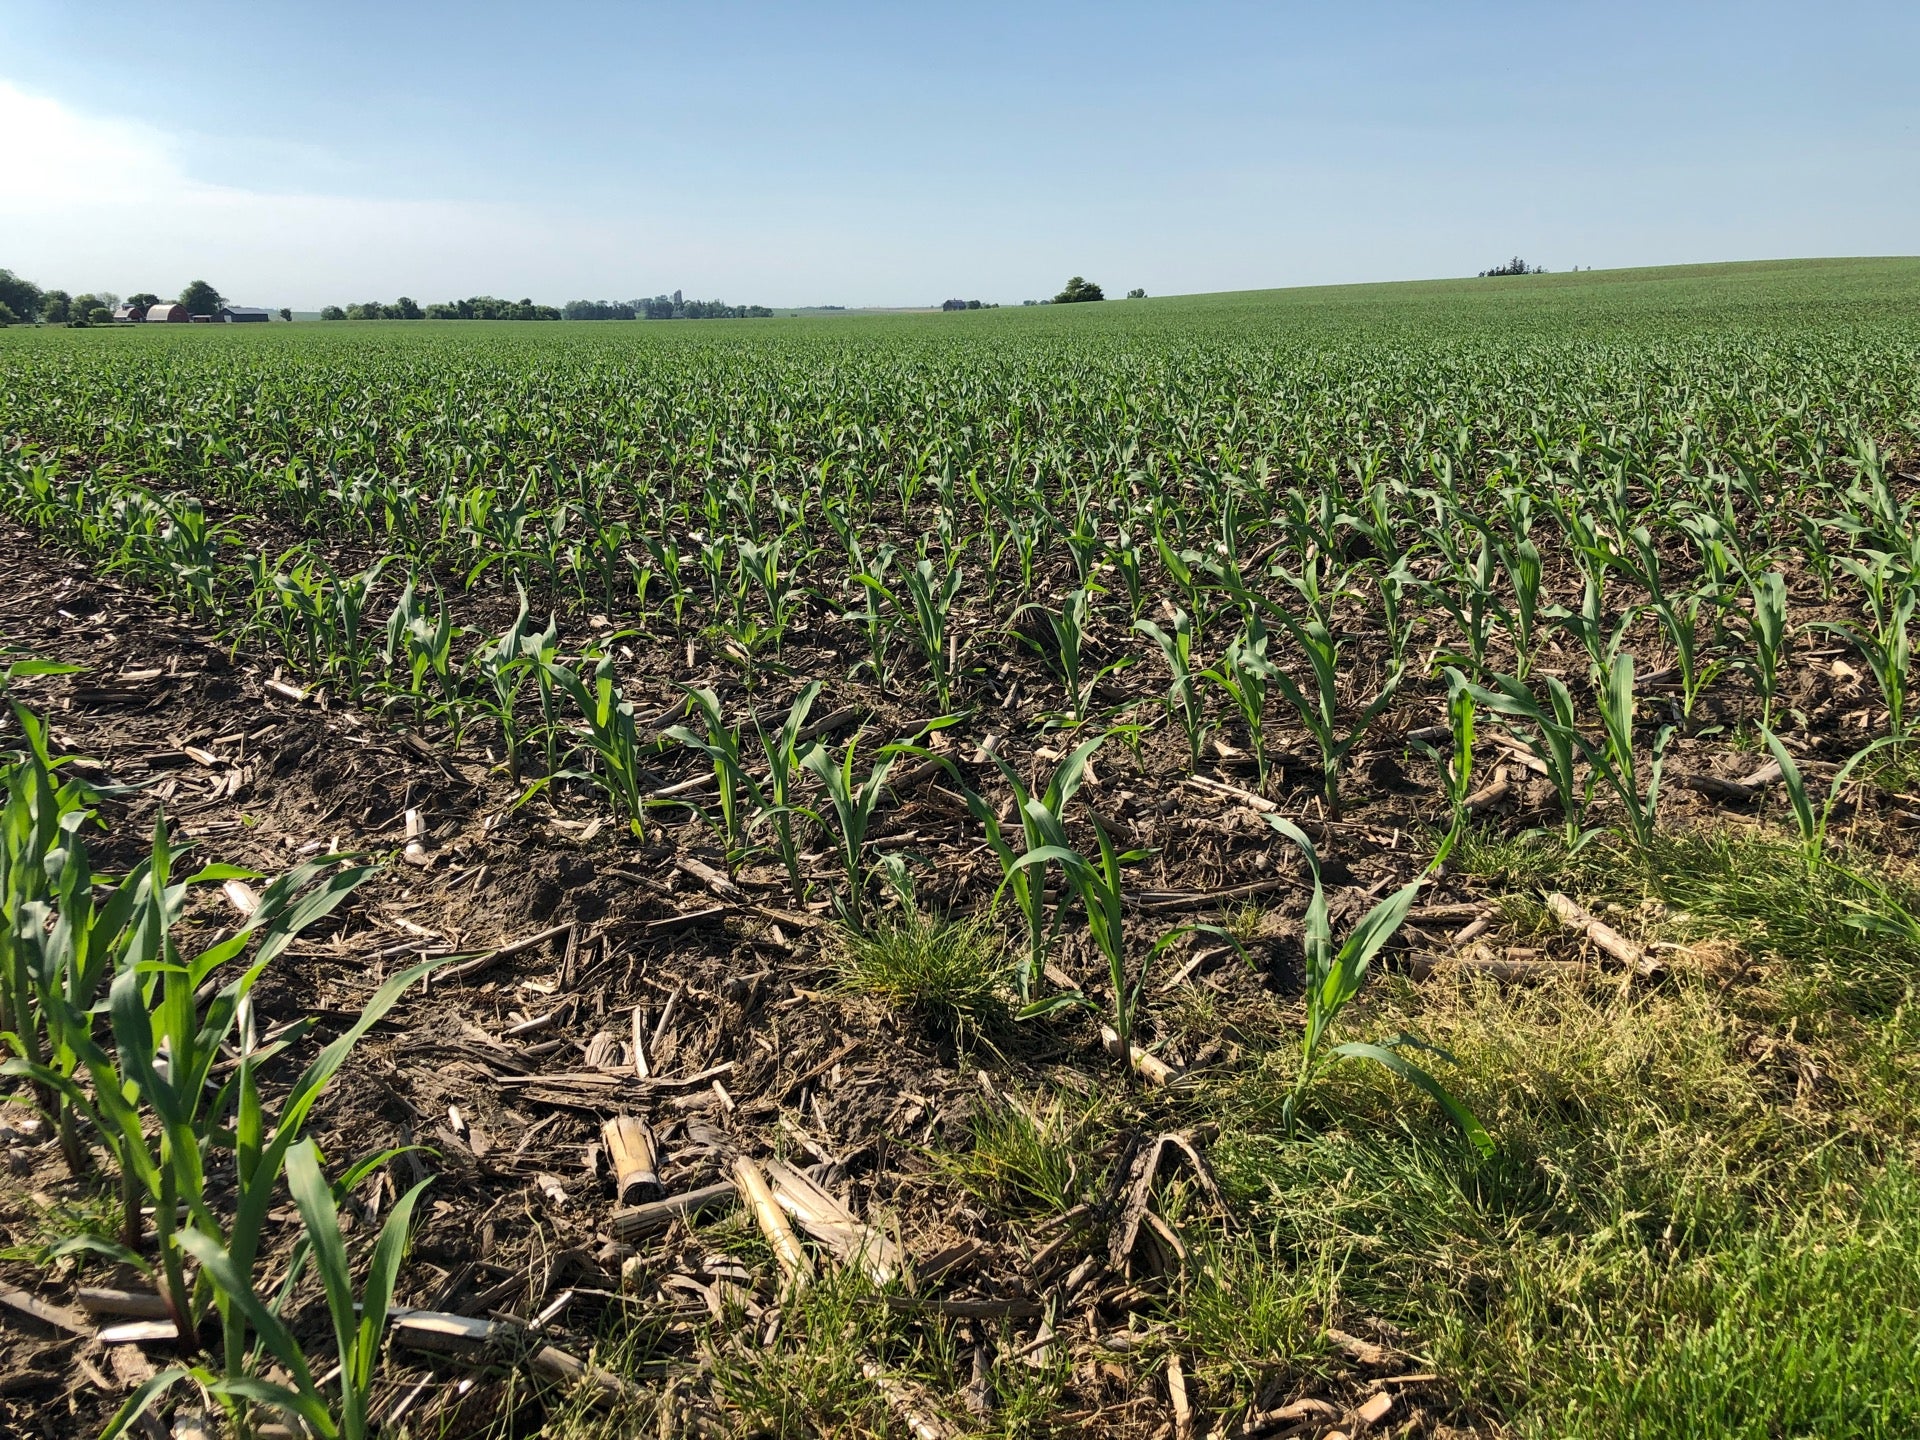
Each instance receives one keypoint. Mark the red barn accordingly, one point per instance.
(166, 310)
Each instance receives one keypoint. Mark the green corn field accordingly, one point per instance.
(1327, 859)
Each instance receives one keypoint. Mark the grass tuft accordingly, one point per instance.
(951, 974)
(1027, 1157)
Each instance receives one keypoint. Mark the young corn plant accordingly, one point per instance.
(610, 735)
(1097, 883)
(721, 746)
(1810, 822)
(872, 618)
(1042, 817)
(782, 753)
(1456, 769)
(346, 599)
(929, 610)
(1588, 625)
(1396, 584)
(1245, 673)
(849, 815)
(424, 643)
(1554, 741)
(1127, 555)
(1521, 560)
(1470, 594)
(188, 547)
(1334, 976)
(1614, 760)
(664, 551)
(501, 667)
(1068, 626)
(152, 1099)
(1183, 696)
(762, 565)
(358, 1326)
(1767, 634)
(43, 871)
(1320, 711)
(1888, 650)
(1680, 620)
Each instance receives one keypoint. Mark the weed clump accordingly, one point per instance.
(948, 974)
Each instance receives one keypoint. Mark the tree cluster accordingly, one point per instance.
(200, 298)
(675, 307)
(661, 307)
(1515, 266)
(474, 307)
(22, 300)
(1078, 290)
(967, 305)
(489, 307)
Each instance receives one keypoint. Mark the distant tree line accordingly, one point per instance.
(967, 305)
(474, 307)
(489, 307)
(662, 307)
(1515, 266)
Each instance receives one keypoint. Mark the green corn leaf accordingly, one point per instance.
(1470, 1126)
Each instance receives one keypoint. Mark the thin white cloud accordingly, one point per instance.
(99, 201)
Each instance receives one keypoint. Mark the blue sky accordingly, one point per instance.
(898, 154)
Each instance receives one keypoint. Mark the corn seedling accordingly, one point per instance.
(610, 735)
(168, 1028)
(1521, 560)
(1456, 769)
(1554, 741)
(1244, 673)
(1042, 818)
(1470, 596)
(1588, 625)
(1614, 760)
(358, 1326)
(1320, 711)
(781, 750)
(1097, 884)
(1335, 976)
(43, 871)
(1810, 822)
(1183, 696)
(929, 611)
(1767, 634)
(1068, 626)
(721, 746)
(1888, 650)
(848, 814)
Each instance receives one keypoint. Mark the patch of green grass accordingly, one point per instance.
(951, 974)
(1895, 769)
(1245, 923)
(814, 1378)
(1244, 1319)
(1685, 1183)
(93, 1211)
(1530, 860)
(1811, 1327)
(1028, 1156)
(1800, 921)
(1737, 888)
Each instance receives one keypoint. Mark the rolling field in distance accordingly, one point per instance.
(1293, 862)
